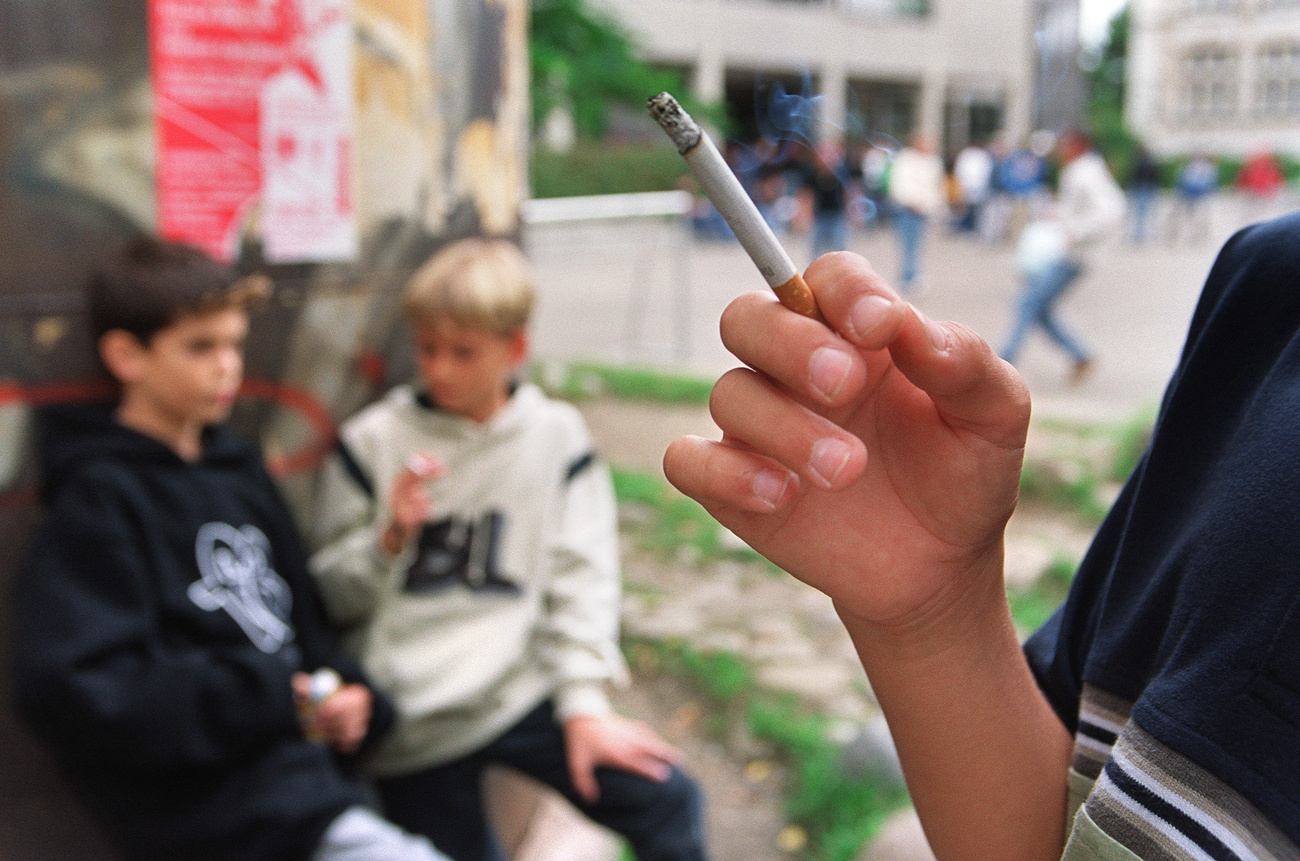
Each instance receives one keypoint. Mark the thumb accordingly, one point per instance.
(582, 771)
(969, 384)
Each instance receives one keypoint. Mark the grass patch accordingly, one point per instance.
(835, 812)
(1066, 486)
(674, 521)
(839, 811)
(1031, 606)
(1131, 444)
(581, 380)
(675, 525)
(1087, 465)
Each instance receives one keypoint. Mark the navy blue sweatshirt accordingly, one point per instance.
(1186, 609)
(160, 614)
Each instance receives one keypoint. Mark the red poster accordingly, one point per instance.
(252, 102)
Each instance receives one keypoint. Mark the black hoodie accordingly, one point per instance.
(162, 609)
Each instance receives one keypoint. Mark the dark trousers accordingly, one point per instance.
(661, 821)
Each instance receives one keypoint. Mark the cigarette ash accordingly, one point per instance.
(683, 130)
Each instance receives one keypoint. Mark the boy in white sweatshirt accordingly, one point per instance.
(468, 542)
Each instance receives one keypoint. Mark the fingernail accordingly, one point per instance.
(769, 486)
(828, 368)
(937, 334)
(828, 459)
(867, 314)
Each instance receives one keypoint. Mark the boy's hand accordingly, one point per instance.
(878, 462)
(341, 719)
(409, 501)
(344, 717)
(611, 740)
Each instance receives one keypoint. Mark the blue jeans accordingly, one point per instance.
(661, 821)
(911, 226)
(1144, 198)
(1042, 288)
(830, 232)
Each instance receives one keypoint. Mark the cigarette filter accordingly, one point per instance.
(735, 206)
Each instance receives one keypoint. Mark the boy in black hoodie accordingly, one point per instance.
(166, 630)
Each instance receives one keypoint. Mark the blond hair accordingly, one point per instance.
(483, 284)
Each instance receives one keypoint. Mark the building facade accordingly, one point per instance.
(1215, 76)
(956, 71)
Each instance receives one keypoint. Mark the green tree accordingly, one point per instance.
(1106, 98)
(586, 62)
(1107, 79)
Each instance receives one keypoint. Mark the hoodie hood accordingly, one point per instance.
(73, 436)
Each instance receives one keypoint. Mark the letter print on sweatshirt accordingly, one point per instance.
(453, 550)
(237, 577)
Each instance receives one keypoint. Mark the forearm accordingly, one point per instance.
(985, 756)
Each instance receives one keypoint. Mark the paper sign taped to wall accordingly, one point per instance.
(253, 109)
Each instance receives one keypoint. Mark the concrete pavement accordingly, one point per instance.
(641, 292)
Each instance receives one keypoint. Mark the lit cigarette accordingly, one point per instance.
(727, 194)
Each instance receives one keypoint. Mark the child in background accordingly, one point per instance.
(468, 541)
(167, 632)
(1156, 715)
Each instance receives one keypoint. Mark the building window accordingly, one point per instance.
(1208, 82)
(1277, 81)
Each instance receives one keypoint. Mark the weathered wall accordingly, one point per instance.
(440, 152)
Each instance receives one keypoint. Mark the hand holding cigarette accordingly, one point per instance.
(735, 206)
(409, 501)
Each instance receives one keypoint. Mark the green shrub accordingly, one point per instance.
(579, 380)
(604, 168)
(838, 810)
(1031, 606)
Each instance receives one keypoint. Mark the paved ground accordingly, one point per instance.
(643, 293)
(638, 292)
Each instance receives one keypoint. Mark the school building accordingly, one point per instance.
(957, 71)
(1215, 76)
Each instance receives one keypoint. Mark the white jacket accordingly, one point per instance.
(512, 595)
(916, 181)
(1090, 204)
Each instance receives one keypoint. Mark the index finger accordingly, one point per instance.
(823, 363)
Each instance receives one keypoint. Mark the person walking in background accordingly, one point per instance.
(916, 195)
(1053, 251)
(828, 181)
(997, 208)
(1046, 272)
(876, 164)
(1024, 176)
(973, 171)
(1196, 182)
(1260, 179)
(1144, 183)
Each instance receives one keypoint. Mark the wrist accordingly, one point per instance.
(581, 700)
(391, 540)
(970, 610)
